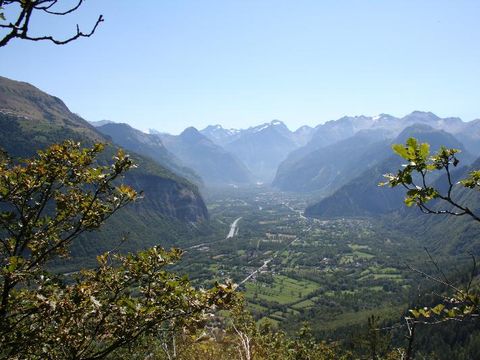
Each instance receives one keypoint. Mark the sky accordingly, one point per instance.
(170, 64)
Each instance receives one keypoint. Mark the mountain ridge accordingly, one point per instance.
(214, 164)
(362, 196)
(147, 145)
(31, 119)
(341, 130)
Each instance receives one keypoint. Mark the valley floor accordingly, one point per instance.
(333, 273)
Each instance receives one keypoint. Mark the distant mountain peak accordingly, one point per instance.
(191, 133)
(351, 120)
(303, 128)
(218, 129)
(423, 115)
(219, 135)
(213, 127)
(383, 116)
(276, 122)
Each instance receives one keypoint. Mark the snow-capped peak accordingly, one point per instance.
(260, 127)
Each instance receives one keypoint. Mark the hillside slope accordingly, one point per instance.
(31, 119)
(326, 169)
(363, 197)
(147, 145)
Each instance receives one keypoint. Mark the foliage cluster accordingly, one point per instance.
(46, 203)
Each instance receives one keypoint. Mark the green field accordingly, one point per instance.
(336, 271)
(283, 290)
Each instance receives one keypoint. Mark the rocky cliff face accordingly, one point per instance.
(169, 197)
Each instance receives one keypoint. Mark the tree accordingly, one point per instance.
(46, 203)
(17, 23)
(460, 303)
(414, 178)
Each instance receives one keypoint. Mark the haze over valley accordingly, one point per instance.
(251, 180)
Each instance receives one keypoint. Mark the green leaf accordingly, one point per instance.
(400, 150)
(415, 313)
(451, 313)
(425, 312)
(409, 201)
(438, 309)
(412, 143)
(424, 150)
(14, 263)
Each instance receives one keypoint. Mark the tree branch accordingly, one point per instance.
(78, 35)
(61, 13)
(20, 28)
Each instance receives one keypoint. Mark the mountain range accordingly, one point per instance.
(319, 160)
(262, 147)
(339, 162)
(337, 135)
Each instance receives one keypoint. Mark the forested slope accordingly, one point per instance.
(31, 120)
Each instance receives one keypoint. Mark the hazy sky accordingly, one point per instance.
(169, 64)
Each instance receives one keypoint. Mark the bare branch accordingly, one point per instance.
(436, 266)
(20, 28)
(427, 210)
(78, 35)
(61, 13)
(410, 337)
(472, 274)
(437, 280)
